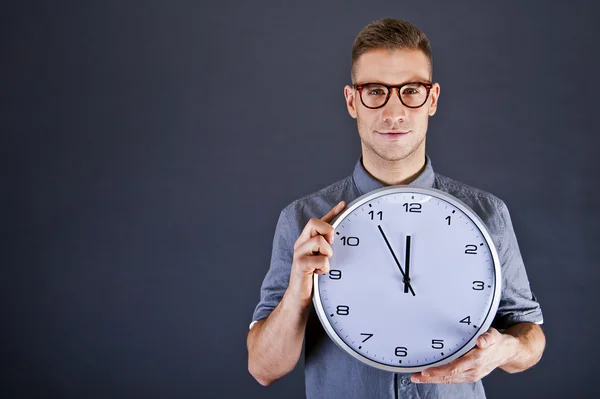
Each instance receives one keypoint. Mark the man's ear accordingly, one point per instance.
(435, 95)
(350, 95)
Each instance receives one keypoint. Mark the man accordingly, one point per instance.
(392, 118)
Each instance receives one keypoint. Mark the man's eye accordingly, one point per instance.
(410, 91)
(376, 92)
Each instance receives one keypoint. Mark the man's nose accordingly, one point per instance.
(394, 110)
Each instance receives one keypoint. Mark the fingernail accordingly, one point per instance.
(483, 341)
(425, 373)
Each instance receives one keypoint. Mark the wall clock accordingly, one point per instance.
(414, 279)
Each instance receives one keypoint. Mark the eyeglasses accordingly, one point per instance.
(376, 95)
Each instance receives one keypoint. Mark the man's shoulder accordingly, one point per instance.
(320, 202)
(490, 208)
(464, 191)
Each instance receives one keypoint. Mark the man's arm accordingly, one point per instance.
(529, 346)
(517, 349)
(275, 343)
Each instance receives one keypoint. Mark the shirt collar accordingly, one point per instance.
(366, 183)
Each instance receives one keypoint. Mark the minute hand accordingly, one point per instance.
(407, 264)
(406, 281)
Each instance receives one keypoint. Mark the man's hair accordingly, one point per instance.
(389, 34)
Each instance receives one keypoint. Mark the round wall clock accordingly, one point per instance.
(414, 279)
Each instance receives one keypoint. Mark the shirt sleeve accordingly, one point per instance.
(518, 304)
(278, 276)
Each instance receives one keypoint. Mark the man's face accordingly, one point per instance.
(393, 67)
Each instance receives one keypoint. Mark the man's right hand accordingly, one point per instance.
(312, 251)
(275, 343)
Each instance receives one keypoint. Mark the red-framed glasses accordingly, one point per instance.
(376, 95)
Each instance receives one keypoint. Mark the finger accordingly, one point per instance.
(314, 227)
(334, 212)
(470, 375)
(321, 266)
(321, 226)
(470, 367)
(309, 264)
(445, 375)
(441, 379)
(316, 246)
(329, 217)
(306, 266)
(488, 338)
(453, 368)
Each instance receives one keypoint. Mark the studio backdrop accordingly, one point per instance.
(148, 148)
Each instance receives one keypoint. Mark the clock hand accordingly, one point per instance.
(406, 281)
(407, 265)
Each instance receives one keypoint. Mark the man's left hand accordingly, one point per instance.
(493, 350)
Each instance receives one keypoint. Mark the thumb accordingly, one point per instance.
(487, 339)
(334, 212)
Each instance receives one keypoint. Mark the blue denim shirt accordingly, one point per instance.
(332, 373)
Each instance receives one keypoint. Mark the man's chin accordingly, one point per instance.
(389, 153)
(394, 157)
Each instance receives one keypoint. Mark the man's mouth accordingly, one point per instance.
(393, 133)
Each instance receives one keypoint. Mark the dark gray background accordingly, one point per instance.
(148, 147)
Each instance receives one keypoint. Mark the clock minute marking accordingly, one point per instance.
(404, 276)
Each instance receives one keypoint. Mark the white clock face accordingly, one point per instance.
(449, 296)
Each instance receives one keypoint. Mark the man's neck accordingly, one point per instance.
(394, 172)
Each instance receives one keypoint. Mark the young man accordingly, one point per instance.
(392, 98)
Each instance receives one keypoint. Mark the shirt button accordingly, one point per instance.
(404, 381)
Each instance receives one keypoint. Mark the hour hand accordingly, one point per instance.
(405, 278)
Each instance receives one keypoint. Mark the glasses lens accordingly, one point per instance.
(413, 95)
(374, 95)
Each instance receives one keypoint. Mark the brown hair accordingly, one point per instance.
(389, 34)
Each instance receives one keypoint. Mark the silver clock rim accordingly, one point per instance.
(497, 272)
